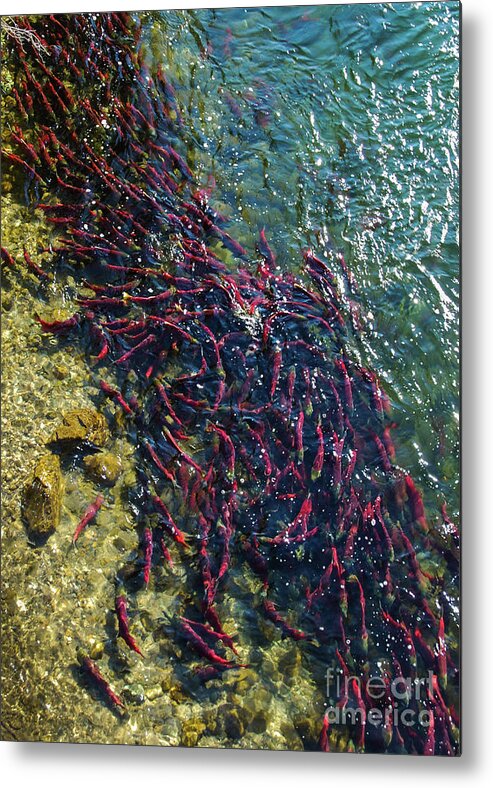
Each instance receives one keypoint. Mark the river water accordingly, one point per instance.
(339, 125)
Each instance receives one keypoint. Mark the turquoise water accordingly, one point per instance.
(338, 126)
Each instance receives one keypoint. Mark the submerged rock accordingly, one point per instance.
(307, 729)
(172, 731)
(192, 730)
(60, 371)
(234, 727)
(84, 425)
(259, 722)
(134, 693)
(291, 737)
(42, 497)
(97, 650)
(104, 468)
(231, 721)
(290, 663)
(152, 693)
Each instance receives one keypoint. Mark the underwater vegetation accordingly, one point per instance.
(259, 440)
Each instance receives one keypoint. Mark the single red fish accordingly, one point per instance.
(350, 466)
(403, 639)
(200, 646)
(149, 340)
(33, 266)
(208, 581)
(319, 457)
(387, 441)
(416, 503)
(59, 326)
(256, 560)
(164, 397)
(276, 618)
(123, 630)
(230, 243)
(233, 105)
(267, 253)
(98, 334)
(423, 649)
(420, 575)
(323, 741)
(89, 515)
(180, 451)
(344, 696)
(18, 137)
(148, 548)
(380, 399)
(212, 633)
(299, 435)
(348, 392)
(360, 705)
(92, 669)
(115, 395)
(382, 529)
(349, 546)
(7, 257)
(168, 523)
(228, 38)
(166, 553)
(210, 672)
(228, 445)
(264, 452)
(18, 160)
(338, 405)
(179, 163)
(308, 387)
(298, 529)
(382, 453)
(20, 105)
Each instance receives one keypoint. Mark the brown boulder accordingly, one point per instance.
(84, 425)
(104, 468)
(42, 497)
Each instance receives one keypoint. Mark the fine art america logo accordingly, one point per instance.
(397, 695)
